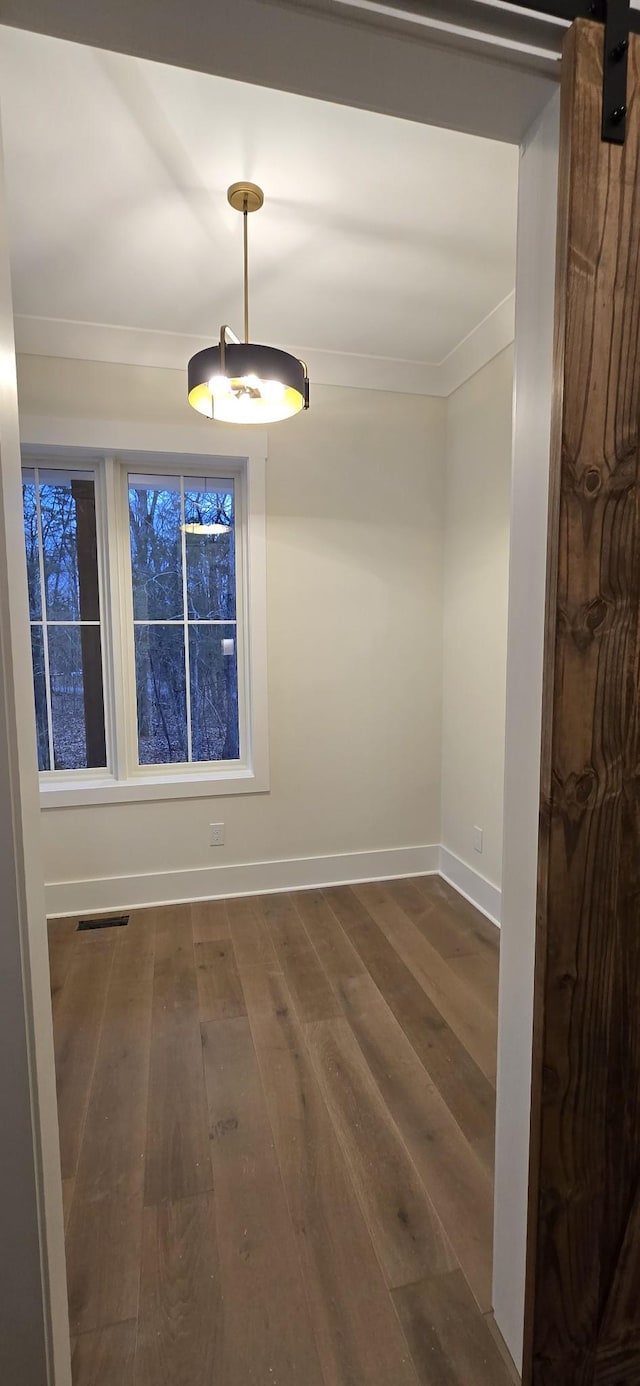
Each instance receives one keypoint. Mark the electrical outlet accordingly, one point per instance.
(216, 834)
(477, 840)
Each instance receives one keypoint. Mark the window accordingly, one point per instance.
(64, 609)
(182, 533)
(140, 626)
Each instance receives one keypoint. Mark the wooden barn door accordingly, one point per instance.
(583, 1310)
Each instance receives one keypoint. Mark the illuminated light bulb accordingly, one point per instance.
(218, 385)
(272, 391)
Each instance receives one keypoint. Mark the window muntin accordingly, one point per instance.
(60, 528)
(174, 697)
(183, 575)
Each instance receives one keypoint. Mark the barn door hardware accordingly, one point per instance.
(619, 21)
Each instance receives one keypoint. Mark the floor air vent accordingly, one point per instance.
(114, 921)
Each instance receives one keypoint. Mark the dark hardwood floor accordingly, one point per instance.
(276, 1125)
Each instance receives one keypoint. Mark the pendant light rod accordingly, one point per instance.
(245, 216)
(245, 198)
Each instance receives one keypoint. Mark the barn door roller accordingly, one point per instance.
(619, 22)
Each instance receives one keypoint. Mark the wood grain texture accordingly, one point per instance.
(457, 1003)
(180, 1299)
(466, 1090)
(406, 1231)
(76, 1036)
(586, 1110)
(177, 1163)
(175, 989)
(455, 1176)
(450, 1341)
(451, 930)
(251, 939)
(61, 935)
(261, 1340)
(220, 995)
(229, 1229)
(357, 1331)
(106, 1356)
(306, 978)
(102, 1271)
(209, 920)
(339, 958)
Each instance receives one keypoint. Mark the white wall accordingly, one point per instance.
(476, 565)
(354, 576)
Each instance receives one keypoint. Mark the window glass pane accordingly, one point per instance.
(156, 548)
(39, 687)
(161, 693)
(210, 549)
(67, 516)
(77, 704)
(214, 692)
(30, 512)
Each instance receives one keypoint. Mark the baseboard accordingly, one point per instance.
(486, 897)
(247, 878)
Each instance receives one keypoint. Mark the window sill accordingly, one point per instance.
(78, 793)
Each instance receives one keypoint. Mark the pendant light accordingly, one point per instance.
(241, 382)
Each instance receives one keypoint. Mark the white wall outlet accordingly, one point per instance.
(477, 840)
(216, 834)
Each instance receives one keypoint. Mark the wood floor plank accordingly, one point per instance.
(306, 978)
(473, 1023)
(449, 1338)
(77, 1032)
(440, 924)
(266, 1332)
(220, 993)
(483, 933)
(337, 955)
(270, 1007)
(177, 1163)
(61, 936)
(251, 938)
(67, 1199)
(480, 972)
(103, 1276)
(106, 1356)
(175, 989)
(405, 1229)
(466, 1090)
(209, 921)
(180, 1300)
(103, 1261)
(356, 1327)
(458, 1182)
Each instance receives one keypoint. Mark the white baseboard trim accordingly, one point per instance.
(486, 897)
(247, 878)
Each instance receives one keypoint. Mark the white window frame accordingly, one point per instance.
(114, 450)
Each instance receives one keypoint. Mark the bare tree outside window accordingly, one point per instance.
(182, 548)
(64, 607)
(182, 532)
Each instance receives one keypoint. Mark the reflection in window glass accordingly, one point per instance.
(210, 552)
(183, 562)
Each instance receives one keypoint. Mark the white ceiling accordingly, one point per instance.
(379, 237)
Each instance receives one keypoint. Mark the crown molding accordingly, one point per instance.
(86, 341)
(487, 340)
